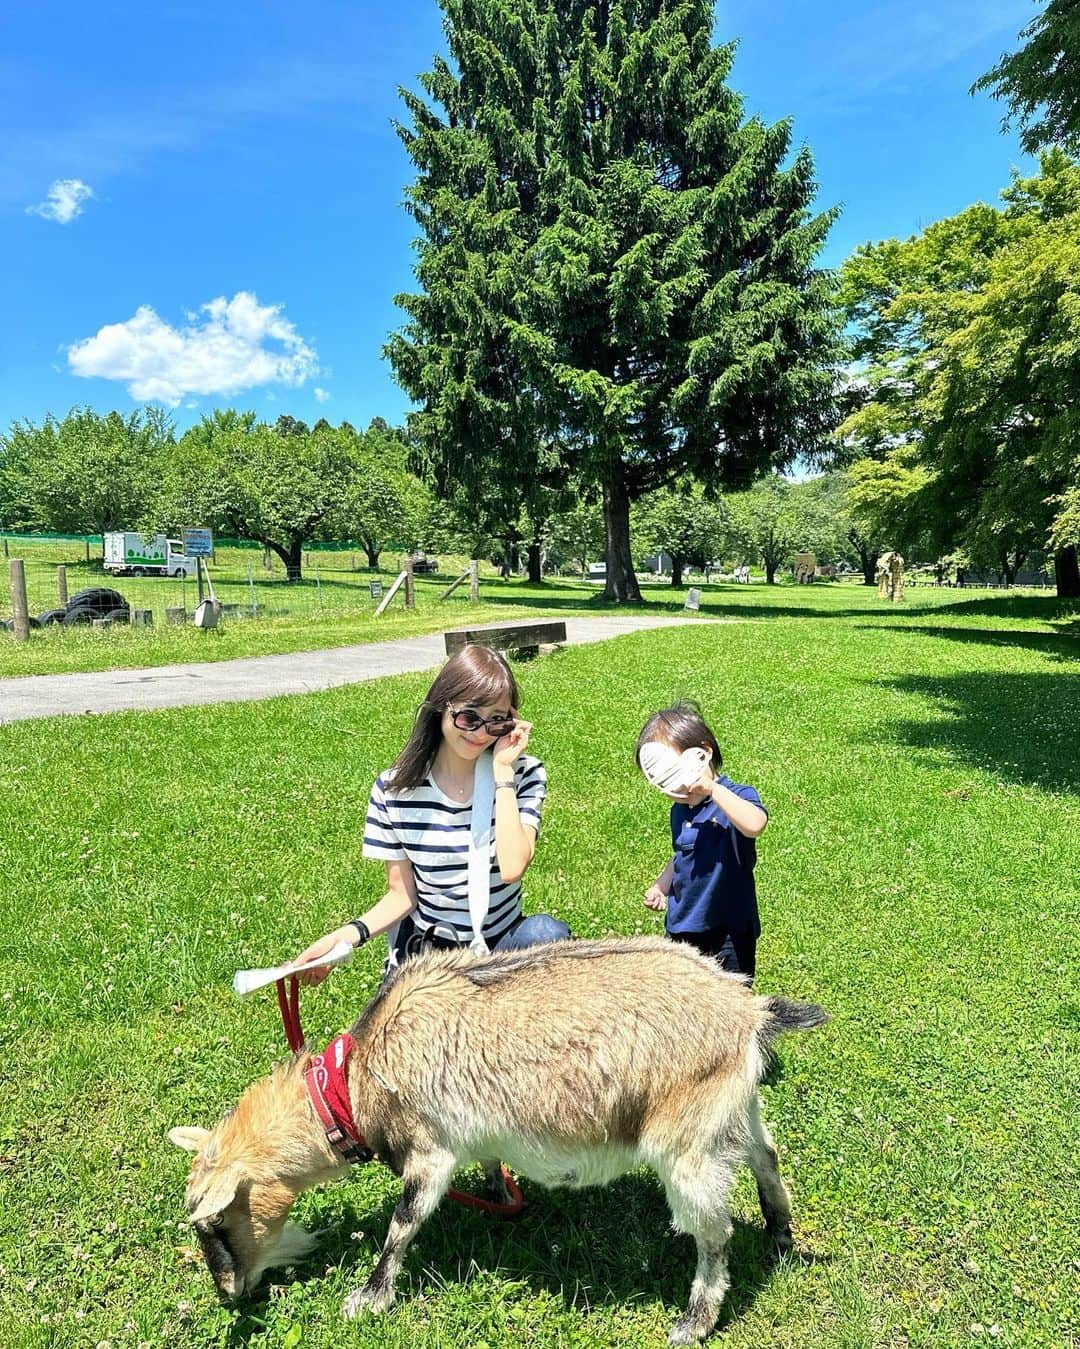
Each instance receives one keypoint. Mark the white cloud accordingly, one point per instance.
(63, 201)
(230, 345)
(322, 395)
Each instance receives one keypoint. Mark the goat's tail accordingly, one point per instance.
(784, 1014)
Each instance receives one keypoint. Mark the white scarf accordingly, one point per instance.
(483, 799)
(479, 864)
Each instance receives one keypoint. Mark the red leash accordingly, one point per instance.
(289, 1006)
(329, 1095)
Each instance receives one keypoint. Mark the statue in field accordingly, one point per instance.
(805, 568)
(890, 576)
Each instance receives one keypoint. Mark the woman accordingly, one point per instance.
(455, 820)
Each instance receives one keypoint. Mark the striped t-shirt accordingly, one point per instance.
(425, 827)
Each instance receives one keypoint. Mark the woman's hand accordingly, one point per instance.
(323, 947)
(510, 746)
(655, 898)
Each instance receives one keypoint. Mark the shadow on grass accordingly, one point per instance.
(1043, 607)
(1063, 646)
(1021, 727)
(606, 1246)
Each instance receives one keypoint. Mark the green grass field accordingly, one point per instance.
(918, 878)
(333, 607)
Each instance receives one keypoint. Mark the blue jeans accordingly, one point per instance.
(534, 930)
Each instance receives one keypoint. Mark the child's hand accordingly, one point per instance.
(655, 898)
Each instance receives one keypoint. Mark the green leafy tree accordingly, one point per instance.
(770, 522)
(884, 500)
(682, 523)
(970, 334)
(383, 503)
(616, 268)
(1041, 81)
(575, 534)
(87, 472)
(280, 487)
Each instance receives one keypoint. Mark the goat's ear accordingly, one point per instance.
(218, 1195)
(189, 1138)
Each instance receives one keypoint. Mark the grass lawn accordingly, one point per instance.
(918, 878)
(333, 607)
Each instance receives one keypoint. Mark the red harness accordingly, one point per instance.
(329, 1093)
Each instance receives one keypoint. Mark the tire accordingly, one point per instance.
(100, 599)
(51, 616)
(9, 623)
(138, 571)
(81, 613)
(119, 615)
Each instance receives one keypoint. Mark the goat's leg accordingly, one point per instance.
(426, 1176)
(495, 1183)
(772, 1192)
(697, 1191)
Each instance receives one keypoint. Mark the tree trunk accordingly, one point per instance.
(536, 574)
(373, 550)
(676, 571)
(867, 562)
(770, 573)
(292, 557)
(621, 584)
(1067, 573)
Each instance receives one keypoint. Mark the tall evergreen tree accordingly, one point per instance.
(616, 270)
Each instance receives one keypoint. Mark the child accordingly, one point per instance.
(708, 886)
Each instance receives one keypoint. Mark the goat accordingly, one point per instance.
(574, 1062)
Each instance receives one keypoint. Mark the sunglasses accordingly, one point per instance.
(468, 719)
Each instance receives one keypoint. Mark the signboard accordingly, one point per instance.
(198, 542)
(376, 589)
(693, 598)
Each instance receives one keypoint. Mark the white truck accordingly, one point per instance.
(128, 554)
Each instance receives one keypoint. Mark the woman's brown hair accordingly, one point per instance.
(476, 676)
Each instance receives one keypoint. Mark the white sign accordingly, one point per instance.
(198, 542)
(693, 598)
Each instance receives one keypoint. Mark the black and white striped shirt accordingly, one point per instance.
(425, 827)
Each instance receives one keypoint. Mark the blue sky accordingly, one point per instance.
(201, 205)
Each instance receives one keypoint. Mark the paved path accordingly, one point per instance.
(233, 681)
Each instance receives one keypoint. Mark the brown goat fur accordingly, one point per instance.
(573, 1062)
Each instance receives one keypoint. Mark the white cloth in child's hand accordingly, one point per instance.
(668, 770)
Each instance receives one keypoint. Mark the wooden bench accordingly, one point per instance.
(523, 638)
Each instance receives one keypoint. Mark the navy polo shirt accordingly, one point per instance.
(713, 885)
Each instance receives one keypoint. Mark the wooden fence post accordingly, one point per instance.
(61, 582)
(19, 611)
(410, 592)
(474, 580)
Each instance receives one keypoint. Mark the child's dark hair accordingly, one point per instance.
(476, 675)
(682, 727)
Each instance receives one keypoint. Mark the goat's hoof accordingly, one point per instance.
(687, 1332)
(782, 1237)
(366, 1300)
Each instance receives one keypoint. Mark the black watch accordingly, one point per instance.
(362, 929)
